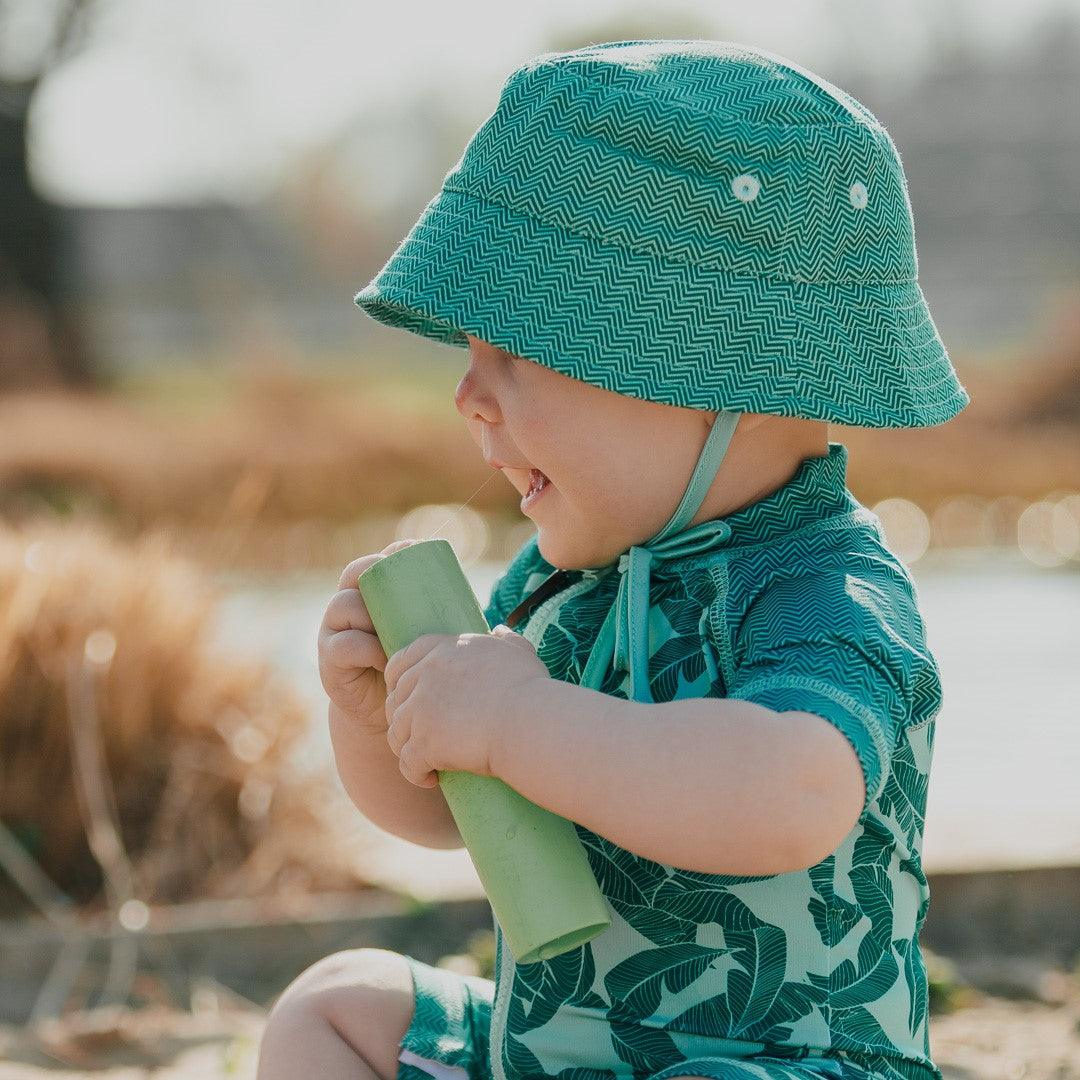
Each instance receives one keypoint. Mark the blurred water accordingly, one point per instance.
(1004, 789)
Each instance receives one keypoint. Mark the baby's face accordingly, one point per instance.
(617, 466)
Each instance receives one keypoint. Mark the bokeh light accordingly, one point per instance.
(133, 915)
(99, 648)
(465, 529)
(249, 743)
(1047, 533)
(907, 528)
(1004, 513)
(962, 522)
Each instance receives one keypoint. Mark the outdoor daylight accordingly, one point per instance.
(539, 542)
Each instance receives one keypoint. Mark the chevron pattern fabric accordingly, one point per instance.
(693, 222)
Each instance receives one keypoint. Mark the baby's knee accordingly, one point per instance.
(351, 989)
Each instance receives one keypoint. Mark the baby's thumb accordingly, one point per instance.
(504, 631)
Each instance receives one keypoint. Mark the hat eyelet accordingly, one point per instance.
(745, 188)
(858, 196)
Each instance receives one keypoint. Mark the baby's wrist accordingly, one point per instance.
(507, 731)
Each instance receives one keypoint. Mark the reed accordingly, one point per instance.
(277, 468)
(106, 648)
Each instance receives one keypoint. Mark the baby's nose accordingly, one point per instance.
(462, 394)
(473, 401)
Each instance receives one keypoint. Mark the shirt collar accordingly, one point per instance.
(818, 490)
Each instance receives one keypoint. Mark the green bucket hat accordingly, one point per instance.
(698, 223)
(693, 222)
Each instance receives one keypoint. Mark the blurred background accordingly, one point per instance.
(198, 429)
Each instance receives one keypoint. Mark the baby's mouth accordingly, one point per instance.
(537, 480)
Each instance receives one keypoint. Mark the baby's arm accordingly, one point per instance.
(707, 784)
(371, 775)
(351, 663)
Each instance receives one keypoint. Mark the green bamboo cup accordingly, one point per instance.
(530, 861)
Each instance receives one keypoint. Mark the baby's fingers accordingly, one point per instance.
(349, 649)
(347, 632)
(346, 611)
(354, 569)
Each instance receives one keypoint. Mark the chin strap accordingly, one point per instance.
(624, 636)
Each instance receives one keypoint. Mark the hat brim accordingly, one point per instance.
(852, 353)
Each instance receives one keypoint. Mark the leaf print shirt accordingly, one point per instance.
(804, 608)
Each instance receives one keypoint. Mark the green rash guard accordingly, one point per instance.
(802, 608)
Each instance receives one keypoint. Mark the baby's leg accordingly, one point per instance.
(343, 1017)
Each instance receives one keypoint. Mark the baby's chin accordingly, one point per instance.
(572, 553)
(571, 537)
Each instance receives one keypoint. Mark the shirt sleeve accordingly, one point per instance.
(843, 643)
(526, 569)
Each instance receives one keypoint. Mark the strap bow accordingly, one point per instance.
(623, 639)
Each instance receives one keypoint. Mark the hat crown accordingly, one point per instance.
(702, 150)
(713, 76)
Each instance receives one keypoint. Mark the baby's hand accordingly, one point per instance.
(351, 660)
(451, 698)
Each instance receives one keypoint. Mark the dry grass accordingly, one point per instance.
(197, 747)
(265, 467)
(265, 464)
(279, 448)
(1019, 436)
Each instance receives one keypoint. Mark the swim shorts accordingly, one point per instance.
(449, 1039)
(448, 1036)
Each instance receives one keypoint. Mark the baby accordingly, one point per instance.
(672, 264)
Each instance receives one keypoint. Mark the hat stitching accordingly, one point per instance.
(666, 166)
(910, 384)
(901, 379)
(643, 249)
(680, 103)
(794, 399)
(869, 167)
(833, 326)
